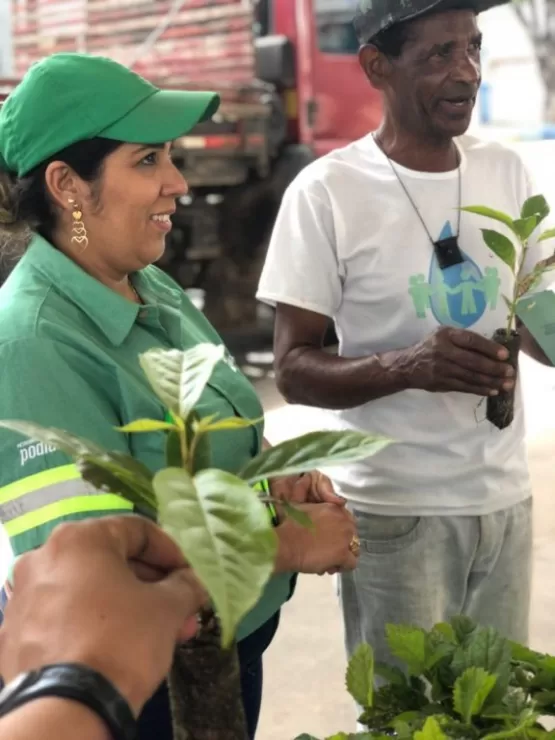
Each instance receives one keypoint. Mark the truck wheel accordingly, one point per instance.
(248, 215)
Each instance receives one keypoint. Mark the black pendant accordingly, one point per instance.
(448, 252)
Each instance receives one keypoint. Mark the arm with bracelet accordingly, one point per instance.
(70, 674)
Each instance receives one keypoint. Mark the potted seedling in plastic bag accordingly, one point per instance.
(513, 251)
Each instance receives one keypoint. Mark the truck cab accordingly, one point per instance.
(331, 99)
(292, 90)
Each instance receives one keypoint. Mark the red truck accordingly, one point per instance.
(292, 90)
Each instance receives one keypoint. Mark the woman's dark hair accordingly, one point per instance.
(25, 204)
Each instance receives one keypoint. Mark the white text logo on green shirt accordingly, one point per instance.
(30, 450)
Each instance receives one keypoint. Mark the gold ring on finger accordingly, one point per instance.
(354, 545)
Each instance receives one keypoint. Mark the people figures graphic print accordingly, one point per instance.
(457, 296)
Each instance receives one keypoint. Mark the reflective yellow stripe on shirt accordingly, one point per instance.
(44, 497)
(263, 486)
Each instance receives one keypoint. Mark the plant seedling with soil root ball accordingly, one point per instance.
(500, 408)
(219, 520)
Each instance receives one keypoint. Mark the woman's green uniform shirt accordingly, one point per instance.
(69, 350)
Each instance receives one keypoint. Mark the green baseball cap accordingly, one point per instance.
(66, 98)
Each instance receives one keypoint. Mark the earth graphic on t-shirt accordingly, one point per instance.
(457, 296)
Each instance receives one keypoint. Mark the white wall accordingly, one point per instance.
(510, 70)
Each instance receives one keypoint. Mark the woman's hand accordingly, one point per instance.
(310, 488)
(331, 545)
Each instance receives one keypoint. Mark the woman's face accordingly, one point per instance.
(128, 220)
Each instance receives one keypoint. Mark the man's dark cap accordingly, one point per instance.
(374, 16)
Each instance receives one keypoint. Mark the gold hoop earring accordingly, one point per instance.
(78, 230)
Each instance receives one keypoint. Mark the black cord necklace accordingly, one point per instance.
(447, 250)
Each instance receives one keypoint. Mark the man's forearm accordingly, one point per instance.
(314, 377)
(53, 719)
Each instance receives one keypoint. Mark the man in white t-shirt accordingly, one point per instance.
(365, 237)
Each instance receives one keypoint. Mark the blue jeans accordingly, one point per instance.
(155, 720)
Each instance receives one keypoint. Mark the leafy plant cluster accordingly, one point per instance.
(462, 682)
(533, 212)
(221, 525)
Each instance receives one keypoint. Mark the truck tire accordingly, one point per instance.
(290, 162)
(248, 215)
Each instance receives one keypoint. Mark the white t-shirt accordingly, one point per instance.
(348, 244)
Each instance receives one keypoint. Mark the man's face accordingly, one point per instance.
(432, 85)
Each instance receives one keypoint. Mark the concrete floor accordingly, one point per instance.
(304, 669)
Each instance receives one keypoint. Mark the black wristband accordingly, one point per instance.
(79, 683)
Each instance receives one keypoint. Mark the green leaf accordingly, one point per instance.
(444, 631)
(507, 302)
(438, 652)
(225, 534)
(141, 474)
(297, 515)
(403, 730)
(409, 645)
(106, 481)
(304, 736)
(173, 450)
(535, 206)
(501, 246)
(391, 674)
(489, 650)
(430, 731)
(198, 424)
(547, 268)
(233, 422)
(547, 234)
(179, 378)
(146, 425)
(531, 281)
(525, 226)
(547, 663)
(485, 648)
(360, 676)
(526, 720)
(522, 677)
(515, 700)
(105, 474)
(407, 717)
(545, 698)
(312, 450)
(345, 736)
(464, 627)
(543, 679)
(503, 218)
(198, 444)
(471, 691)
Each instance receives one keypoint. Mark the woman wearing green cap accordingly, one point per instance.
(89, 190)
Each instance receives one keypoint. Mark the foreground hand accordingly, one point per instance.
(329, 547)
(113, 593)
(458, 360)
(310, 488)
